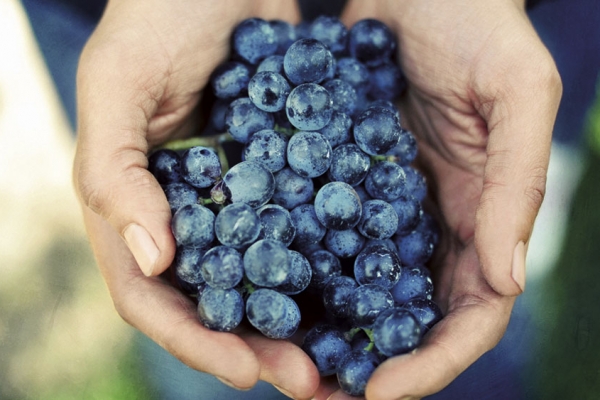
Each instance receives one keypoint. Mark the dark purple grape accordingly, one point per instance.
(309, 107)
(275, 315)
(253, 40)
(200, 167)
(164, 164)
(377, 264)
(325, 345)
(396, 331)
(337, 206)
(220, 309)
(366, 302)
(193, 225)
(371, 42)
(354, 371)
(307, 61)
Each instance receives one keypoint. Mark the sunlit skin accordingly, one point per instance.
(481, 98)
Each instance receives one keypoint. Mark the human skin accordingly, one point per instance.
(481, 99)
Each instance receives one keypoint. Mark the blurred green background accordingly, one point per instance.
(60, 337)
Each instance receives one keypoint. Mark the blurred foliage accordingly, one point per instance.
(568, 365)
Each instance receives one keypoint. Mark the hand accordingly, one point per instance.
(140, 78)
(482, 97)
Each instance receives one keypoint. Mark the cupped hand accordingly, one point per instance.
(482, 97)
(140, 78)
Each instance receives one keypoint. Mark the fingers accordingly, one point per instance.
(476, 321)
(110, 166)
(166, 315)
(519, 105)
(284, 365)
(170, 319)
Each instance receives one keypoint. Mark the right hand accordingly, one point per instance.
(140, 78)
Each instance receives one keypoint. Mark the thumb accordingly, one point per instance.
(110, 169)
(520, 120)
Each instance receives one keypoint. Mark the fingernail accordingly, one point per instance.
(288, 394)
(518, 265)
(226, 382)
(142, 246)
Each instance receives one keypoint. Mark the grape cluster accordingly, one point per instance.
(324, 204)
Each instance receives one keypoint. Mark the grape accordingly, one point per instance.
(355, 73)
(414, 282)
(276, 224)
(386, 181)
(180, 194)
(343, 96)
(366, 302)
(272, 63)
(308, 227)
(291, 189)
(266, 263)
(377, 264)
(165, 166)
(331, 32)
(378, 221)
(387, 81)
(415, 183)
(253, 40)
(249, 182)
(409, 211)
(237, 226)
(309, 154)
(406, 149)
(428, 225)
(268, 91)
(267, 147)
(307, 61)
(337, 131)
(325, 345)
(371, 42)
(274, 314)
(349, 164)
(337, 294)
(360, 340)
(377, 131)
(362, 193)
(425, 311)
(396, 331)
(217, 116)
(309, 107)
(243, 119)
(299, 275)
(187, 264)
(355, 369)
(200, 167)
(193, 225)
(230, 80)
(220, 309)
(303, 30)
(285, 34)
(324, 266)
(337, 206)
(344, 244)
(222, 267)
(415, 248)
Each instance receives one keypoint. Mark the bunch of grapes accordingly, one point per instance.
(320, 204)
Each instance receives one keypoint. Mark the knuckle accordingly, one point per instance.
(535, 188)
